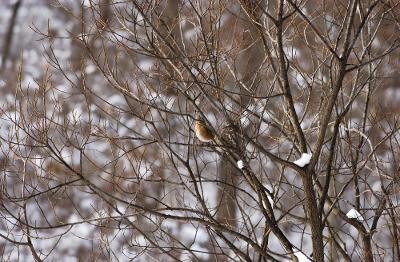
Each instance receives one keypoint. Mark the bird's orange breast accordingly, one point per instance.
(203, 132)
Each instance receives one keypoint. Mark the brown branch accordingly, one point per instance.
(9, 34)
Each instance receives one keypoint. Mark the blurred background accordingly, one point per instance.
(99, 157)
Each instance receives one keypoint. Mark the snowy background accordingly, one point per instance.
(98, 156)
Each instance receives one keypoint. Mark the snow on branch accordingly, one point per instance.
(354, 214)
(240, 164)
(303, 160)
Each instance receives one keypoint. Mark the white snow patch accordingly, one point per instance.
(355, 215)
(240, 164)
(303, 160)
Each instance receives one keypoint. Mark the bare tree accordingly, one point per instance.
(299, 98)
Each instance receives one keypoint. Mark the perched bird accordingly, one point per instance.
(231, 134)
(203, 132)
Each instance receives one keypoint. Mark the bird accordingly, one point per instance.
(230, 133)
(203, 132)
